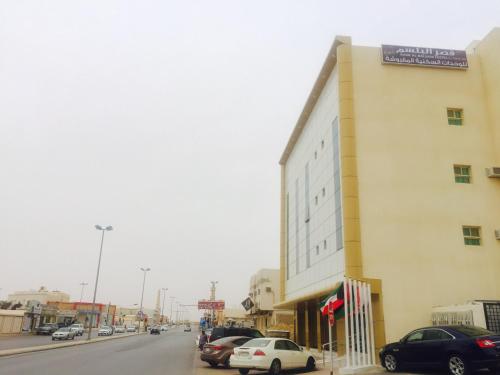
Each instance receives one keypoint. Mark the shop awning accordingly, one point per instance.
(292, 303)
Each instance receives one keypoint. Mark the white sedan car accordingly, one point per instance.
(273, 354)
(105, 331)
(64, 333)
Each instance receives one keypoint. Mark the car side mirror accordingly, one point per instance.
(301, 349)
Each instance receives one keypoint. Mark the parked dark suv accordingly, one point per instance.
(220, 332)
(47, 329)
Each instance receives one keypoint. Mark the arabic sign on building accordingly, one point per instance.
(211, 305)
(433, 57)
(247, 304)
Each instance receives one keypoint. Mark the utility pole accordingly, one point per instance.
(163, 305)
(83, 284)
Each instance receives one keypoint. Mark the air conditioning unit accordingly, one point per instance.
(493, 172)
(497, 234)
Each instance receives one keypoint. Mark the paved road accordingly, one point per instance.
(24, 341)
(170, 353)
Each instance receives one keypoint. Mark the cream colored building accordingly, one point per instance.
(264, 293)
(387, 177)
(42, 295)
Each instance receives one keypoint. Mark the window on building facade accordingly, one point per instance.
(316, 200)
(322, 143)
(324, 191)
(462, 174)
(315, 154)
(268, 289)
(455, 116)
(317, 249)
(472, 235)
(324, 244)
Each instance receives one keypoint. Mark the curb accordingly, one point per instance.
(40, 348)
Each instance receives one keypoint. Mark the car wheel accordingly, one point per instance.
(390, 362)
(275, 367)
(244, 371)
(457, 365)
(227, 364)
(53, 339)
(212, 364)
(311, 364)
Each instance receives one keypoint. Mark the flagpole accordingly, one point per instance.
(330, 338)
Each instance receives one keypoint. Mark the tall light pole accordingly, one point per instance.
(83, 284)
(163, 305)
(212, 298)
(103, 229)
(142, 297)
(171, 304)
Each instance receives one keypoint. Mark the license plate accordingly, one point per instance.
(206, 350)
(243, 354)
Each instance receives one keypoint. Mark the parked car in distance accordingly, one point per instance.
(105, 331)
(271, 354)
(458, 348)
(155, 330)
(220, 332)
(218, 351)
(78, 328)
(64, 333)
(131, 329)
(164, 328)
(47, 329)
(187, 328)
(119, 329)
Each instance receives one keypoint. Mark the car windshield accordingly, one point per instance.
(65, 329)
(255, 333)
(105, 327)
(472, 331)
(257, 343)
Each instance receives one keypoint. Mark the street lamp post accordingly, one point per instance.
(83, 284)
(171, 304)
(163, 305)
(103, 229)
(142, 297)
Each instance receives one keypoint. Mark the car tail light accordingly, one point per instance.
(217, 347)
(485, 343)
(259, 352)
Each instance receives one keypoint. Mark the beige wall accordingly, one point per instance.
(43, 296)
(411, 210)
(11, 321)
(259, 282)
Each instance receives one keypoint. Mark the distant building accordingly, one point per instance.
(68, 312)
(264, 293)
(42, 295)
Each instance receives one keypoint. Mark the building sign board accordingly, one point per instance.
(247, 303)
(211, 305)
(430, 57)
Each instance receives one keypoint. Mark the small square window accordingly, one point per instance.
(322, 143)
(472, 235)
(315, 154)
(324, 244)
(324, 191)
(462, 174)
(317, 249)
(316, 200)
(268, 289)
(455, 116)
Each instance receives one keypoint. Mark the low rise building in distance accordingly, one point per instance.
(264, 293)
(42, 295)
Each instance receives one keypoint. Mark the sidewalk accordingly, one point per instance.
(9, 352)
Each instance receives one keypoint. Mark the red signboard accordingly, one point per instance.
(211, 305)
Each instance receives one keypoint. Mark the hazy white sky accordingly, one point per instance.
(166, 119)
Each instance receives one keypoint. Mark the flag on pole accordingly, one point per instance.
(334, 302)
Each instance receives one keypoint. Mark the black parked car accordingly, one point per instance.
(47, 329)
(220, 332)
(459, 348)
(155, 330)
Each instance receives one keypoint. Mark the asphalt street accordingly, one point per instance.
(24, 341)
(170, 353)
